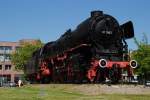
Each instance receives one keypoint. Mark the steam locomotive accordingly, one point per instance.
(94, 52)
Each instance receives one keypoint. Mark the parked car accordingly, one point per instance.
(147, 83)
(9, 84)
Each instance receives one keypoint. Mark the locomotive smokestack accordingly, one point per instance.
(96, 13)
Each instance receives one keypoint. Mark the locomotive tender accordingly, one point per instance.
(95, 51)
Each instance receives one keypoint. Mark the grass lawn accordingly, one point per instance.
(59, 92)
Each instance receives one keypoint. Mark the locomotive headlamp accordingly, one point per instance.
(102, 63)
(133, 63)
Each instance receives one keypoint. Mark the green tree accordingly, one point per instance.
(142, 55)
(21, 56)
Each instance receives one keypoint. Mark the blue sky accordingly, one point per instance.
(48, 20)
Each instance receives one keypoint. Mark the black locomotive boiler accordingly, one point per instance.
(95, 51)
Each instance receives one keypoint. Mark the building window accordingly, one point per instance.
(0, 67)
(5, 49)
(7, 78)
(8, 49)
(2, 57)
(1, 49)
(7, 67)
(7, 57)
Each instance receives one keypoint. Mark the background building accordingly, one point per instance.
(7, 68)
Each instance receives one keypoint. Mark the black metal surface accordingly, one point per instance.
(100, 30)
